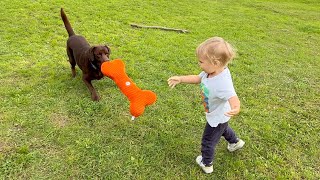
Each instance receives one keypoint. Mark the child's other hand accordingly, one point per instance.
(235, 106)
(232, 112)
(173, 81)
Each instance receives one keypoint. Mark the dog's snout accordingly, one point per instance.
(106, 59)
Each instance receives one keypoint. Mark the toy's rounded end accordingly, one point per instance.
(132, 118)
(112, 68)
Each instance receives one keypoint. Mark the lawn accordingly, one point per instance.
(50, 128)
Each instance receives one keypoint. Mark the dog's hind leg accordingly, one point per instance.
(72, 62)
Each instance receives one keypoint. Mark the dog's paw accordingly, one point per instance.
(73, 73)
(95, 97)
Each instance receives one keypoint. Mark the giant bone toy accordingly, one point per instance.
(138, 98)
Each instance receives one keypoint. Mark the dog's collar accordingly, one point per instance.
(93, 66)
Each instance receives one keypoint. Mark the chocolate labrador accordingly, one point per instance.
(88, 58)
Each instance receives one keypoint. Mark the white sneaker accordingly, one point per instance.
(206, 169)
(235, 146)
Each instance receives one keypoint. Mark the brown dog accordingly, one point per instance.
(88, 58)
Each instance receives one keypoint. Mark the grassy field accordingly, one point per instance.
(50, 128)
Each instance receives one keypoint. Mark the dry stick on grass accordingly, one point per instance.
(159, 27)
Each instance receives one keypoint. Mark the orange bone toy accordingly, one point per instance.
(138, 98)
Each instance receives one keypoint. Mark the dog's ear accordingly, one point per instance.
(109, 50)
(91, 54)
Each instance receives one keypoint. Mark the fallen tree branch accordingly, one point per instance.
(159, 27)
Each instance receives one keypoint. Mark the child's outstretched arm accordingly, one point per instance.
(190, 79)
(235, 106)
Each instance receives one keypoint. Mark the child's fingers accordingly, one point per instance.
(171, 80)
(172, 84)
(174, 78)
(231, 113)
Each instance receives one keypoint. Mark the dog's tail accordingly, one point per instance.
(66, 23)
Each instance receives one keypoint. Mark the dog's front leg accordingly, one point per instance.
(87, 80)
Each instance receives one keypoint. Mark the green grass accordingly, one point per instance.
(50, 128)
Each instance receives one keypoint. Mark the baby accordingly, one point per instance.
(219, 97)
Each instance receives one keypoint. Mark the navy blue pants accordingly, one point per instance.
(211, 137)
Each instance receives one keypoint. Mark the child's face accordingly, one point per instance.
(207, 66)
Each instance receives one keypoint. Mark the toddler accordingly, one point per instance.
(219, 97)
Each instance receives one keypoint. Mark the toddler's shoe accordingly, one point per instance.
(235, 146)
(206, 168)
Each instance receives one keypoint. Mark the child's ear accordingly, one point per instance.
(216, 62)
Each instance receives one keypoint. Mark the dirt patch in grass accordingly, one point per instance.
(5, 147)
(59, 120)
(2, 146)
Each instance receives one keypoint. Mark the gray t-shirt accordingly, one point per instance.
(216, 91)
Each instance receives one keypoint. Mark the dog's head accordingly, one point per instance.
(98, 55)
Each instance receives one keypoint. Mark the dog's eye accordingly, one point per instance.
(98, 55)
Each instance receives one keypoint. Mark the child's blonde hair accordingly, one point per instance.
(216, 49)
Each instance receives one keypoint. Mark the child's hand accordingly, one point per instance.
(173, 81)
(232, 112)
(235, 106)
